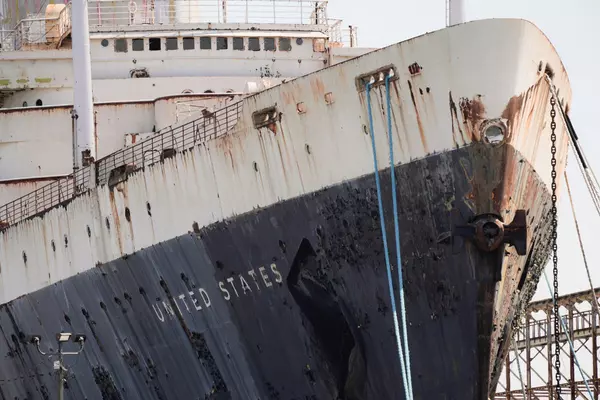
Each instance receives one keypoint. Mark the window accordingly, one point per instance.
(205, 43)
(270, 44)
(319, 45)
(285, 44)
(238, 43)
(137, 44)
(188, 43)
(121, 45)
(104, 43)
(253, 44)
(154, 44)
(38, 102)
(171, 43)
(221, 43)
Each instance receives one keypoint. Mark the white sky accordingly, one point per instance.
(574, 29)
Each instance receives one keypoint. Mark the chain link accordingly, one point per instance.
(555, 249)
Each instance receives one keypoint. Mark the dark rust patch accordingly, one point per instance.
(419, 122)
(513, 107)
(454, 117)
(473, 112)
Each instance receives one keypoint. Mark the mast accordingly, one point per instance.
(85, 141)
(456, 12)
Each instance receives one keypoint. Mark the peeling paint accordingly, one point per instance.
(260, 170)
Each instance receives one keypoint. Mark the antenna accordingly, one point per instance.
(455, 12)
(83, 117)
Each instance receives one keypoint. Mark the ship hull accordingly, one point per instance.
(287, 302)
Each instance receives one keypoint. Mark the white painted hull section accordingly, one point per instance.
(217, 180)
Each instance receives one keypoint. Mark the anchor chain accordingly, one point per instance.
(555, 247)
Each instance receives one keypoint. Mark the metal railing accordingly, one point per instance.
(38, 32)
(44, 198)
(191, 107)
(156, 12)
(169, 142)
(338, 35)
(116, 167)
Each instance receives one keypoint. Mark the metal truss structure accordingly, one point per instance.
(529, 370)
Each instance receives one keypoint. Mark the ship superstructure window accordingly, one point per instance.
(205, 43)
(154, 44)
(188, 43)
(253, 44)
(137, 44)
(285, 44)
(104, 43)
(221, 43)
(121, 45)
(270, 44)
(238, 43)
(171, 43)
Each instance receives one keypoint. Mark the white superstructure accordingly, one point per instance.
(154, 63)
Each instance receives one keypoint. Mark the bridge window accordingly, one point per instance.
(154, 44)
(121, 45)
(137, 44)
(221, 43)
(188, 43)
(205, 43)
(253, 44)
(285, 44)
(270, 44)
(238, 43)
(171, 43)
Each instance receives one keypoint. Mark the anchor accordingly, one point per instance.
(488, 232)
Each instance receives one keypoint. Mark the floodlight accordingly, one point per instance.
(63, 337)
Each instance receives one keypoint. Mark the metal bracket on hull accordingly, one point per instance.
(488, 232)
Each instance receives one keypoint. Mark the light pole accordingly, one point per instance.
(61, 338)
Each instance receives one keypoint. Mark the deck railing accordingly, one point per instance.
(157, 12)
(117, 166)
(38, 32)
(41, 31)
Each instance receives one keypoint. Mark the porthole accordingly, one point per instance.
(299, 41)
(104, 43)
(38, 102)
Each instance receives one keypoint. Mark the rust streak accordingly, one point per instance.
(399, 98)
(115, 214)
(473, 112)
(317, 88)
(421, 130)
(454, 117)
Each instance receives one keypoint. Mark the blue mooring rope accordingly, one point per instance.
(403, 361)
(397, 232)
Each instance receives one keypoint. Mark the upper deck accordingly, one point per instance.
(50, 28)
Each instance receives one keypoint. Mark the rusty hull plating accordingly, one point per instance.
(280, 291)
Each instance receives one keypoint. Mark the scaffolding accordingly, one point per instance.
(529, 367)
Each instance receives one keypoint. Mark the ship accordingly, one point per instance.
(208, 197)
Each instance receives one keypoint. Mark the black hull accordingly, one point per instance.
(299, 304)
